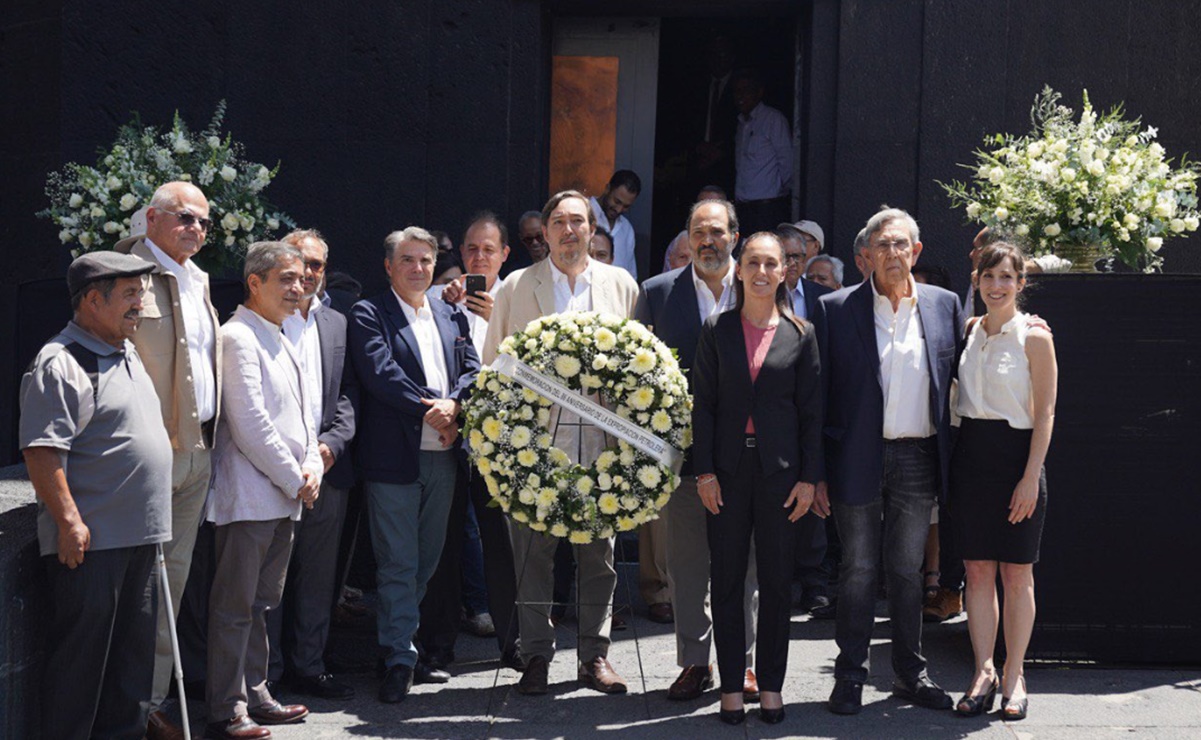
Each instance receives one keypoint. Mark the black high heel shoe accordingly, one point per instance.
(732, 716)
(977, 704)
(771, 716)
(1012, 711)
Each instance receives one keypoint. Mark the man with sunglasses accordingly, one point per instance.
(177, 342)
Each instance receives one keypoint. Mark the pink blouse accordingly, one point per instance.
(758, 341)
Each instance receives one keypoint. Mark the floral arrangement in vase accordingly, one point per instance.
(1087, 189)
(94, 205)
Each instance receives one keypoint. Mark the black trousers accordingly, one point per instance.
(100, 645)
(752, 504)
(193, 623)
(810, 567)
(441, 609)
(763, 215)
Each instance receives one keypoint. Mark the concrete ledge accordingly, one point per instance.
(24, 606)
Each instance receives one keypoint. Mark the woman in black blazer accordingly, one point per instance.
(757, 448)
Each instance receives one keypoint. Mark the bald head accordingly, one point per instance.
(175, 220)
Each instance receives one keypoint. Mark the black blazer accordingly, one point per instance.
(340, 396)
(785, 400)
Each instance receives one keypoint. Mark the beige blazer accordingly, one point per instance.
(268, 438)
(530, 293)
(166, 358)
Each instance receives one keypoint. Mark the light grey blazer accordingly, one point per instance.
(267, 436)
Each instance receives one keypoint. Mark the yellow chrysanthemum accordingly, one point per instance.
(641, 399)
(649, 476)
(492, 428)
(520, 437)
(608, 504)
(567, 366)
(527, 458)
(580, 538)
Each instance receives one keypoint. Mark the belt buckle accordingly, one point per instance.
(751, 442)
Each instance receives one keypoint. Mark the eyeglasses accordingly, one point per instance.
(315, 265)
(791, 258)
(187, 219)
(531, 239)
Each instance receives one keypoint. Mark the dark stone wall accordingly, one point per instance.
(383, 114)
(918, 84)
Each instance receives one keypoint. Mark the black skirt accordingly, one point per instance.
(989, 460)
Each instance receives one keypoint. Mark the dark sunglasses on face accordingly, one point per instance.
(315, 265)
(187, 219)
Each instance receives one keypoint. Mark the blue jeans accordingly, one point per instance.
(909, 485)
(475, 589)
(408, 529)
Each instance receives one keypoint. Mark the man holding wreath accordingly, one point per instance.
(568, 281)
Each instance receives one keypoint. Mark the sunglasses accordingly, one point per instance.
(315, 265)
(187, 219)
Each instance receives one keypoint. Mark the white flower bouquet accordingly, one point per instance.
(1102, 182)
(635, 375)
(93, 205)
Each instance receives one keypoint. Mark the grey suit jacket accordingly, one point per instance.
(267, 439)
(530, 294)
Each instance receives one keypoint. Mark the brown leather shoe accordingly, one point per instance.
(662, 613)
(160, 727)
(750, 687)
(947, 604)
(274, 713)
(693, 681)
(237, 728)
(533, 678)
(599, 674)
(618, 623)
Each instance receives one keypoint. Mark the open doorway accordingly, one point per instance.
(696, 116)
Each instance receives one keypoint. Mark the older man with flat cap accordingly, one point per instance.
(100, 463)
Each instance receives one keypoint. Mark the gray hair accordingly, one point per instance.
(860, 240)
(409, 234)
(731, 214)
(296, 236)
(263, 257)
(887, 215)
(835, 265)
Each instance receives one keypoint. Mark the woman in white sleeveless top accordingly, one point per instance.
(1007, 387)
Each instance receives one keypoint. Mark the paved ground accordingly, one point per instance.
(481, 700)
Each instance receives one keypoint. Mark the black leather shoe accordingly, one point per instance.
(534, 679)
(812, 599)
(397, 681)
(425, 673)
(732, 716)
(829, 611)
(923, 692)
(771, 716)
(438, 658)
(511, 659)
(323, 686)
(847, 697)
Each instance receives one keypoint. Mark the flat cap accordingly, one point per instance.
(93, 266)
(809, 227)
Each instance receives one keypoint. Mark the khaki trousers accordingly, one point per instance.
(190, 473)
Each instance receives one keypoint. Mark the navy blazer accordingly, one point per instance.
(387, 364)
(854, 409)
(813, 292)
(339, 397)
(667, 305)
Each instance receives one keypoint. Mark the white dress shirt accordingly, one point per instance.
(579, 439)
(302, 334)
(623, 238)
(433, 361)
(994, 375)
(705, 302)
(198, 325)
(477, 324)
(763, 158)
(568, 298)
(903, 370)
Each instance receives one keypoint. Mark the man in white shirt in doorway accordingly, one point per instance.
(763, 157)
(618, 197)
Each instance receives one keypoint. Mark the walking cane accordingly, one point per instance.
(166, 589)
